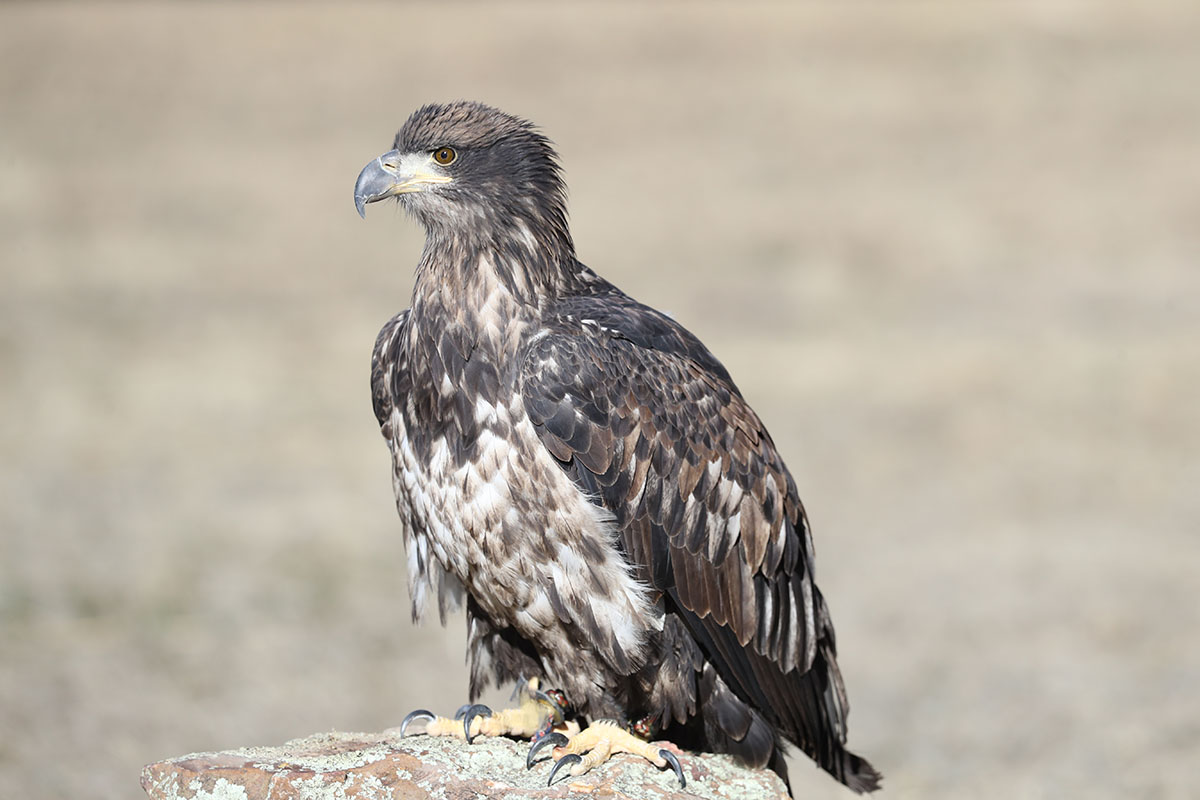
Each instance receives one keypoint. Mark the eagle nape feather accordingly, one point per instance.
(584, 475)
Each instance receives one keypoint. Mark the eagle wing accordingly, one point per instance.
(391, 386)
(388, 368)
(650, 425)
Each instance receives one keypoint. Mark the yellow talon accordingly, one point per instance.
(599, 741)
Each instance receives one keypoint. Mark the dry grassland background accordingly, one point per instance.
(950, 251)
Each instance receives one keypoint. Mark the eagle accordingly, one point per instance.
(583, 475)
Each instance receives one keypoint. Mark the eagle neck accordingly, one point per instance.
(476, 301)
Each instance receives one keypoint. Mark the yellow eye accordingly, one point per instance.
(444, 155)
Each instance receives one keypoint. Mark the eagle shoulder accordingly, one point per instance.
(389, 369)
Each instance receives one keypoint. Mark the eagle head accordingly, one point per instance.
(467, 169)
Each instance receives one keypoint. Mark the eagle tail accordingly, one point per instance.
(857, 773)
(733, 726)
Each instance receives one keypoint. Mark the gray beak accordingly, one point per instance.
(376, 181)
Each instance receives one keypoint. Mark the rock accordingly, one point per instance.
(382, 766)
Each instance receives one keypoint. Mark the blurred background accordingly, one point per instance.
(950, 251)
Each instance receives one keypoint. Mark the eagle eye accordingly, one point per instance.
(444, 155)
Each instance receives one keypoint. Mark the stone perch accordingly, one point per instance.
(382, 766)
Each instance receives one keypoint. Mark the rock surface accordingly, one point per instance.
(382, 766)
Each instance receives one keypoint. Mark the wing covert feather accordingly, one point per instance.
(704, 504)
(650, 425)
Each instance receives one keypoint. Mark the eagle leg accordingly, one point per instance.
(538, 713)
(596, 744)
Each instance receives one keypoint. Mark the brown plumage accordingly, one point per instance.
(584, 472)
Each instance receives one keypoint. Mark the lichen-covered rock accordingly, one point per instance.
(382, 766)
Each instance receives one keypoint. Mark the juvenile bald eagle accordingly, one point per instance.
(584, 473)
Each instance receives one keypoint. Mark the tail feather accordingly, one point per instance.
(858, 774)
(749, 706)
(734, 727)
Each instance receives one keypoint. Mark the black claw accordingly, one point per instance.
(674, 762)
(420, 713)
(554, 738)
(477, 710)
(569, 758)
(463, 709)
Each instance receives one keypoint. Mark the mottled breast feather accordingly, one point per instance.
(486, 510)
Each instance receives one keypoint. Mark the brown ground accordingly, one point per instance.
(950, 251)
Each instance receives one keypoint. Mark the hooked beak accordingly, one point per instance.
(394, 173)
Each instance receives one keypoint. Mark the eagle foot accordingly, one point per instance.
(539, 713)
(596, 744)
